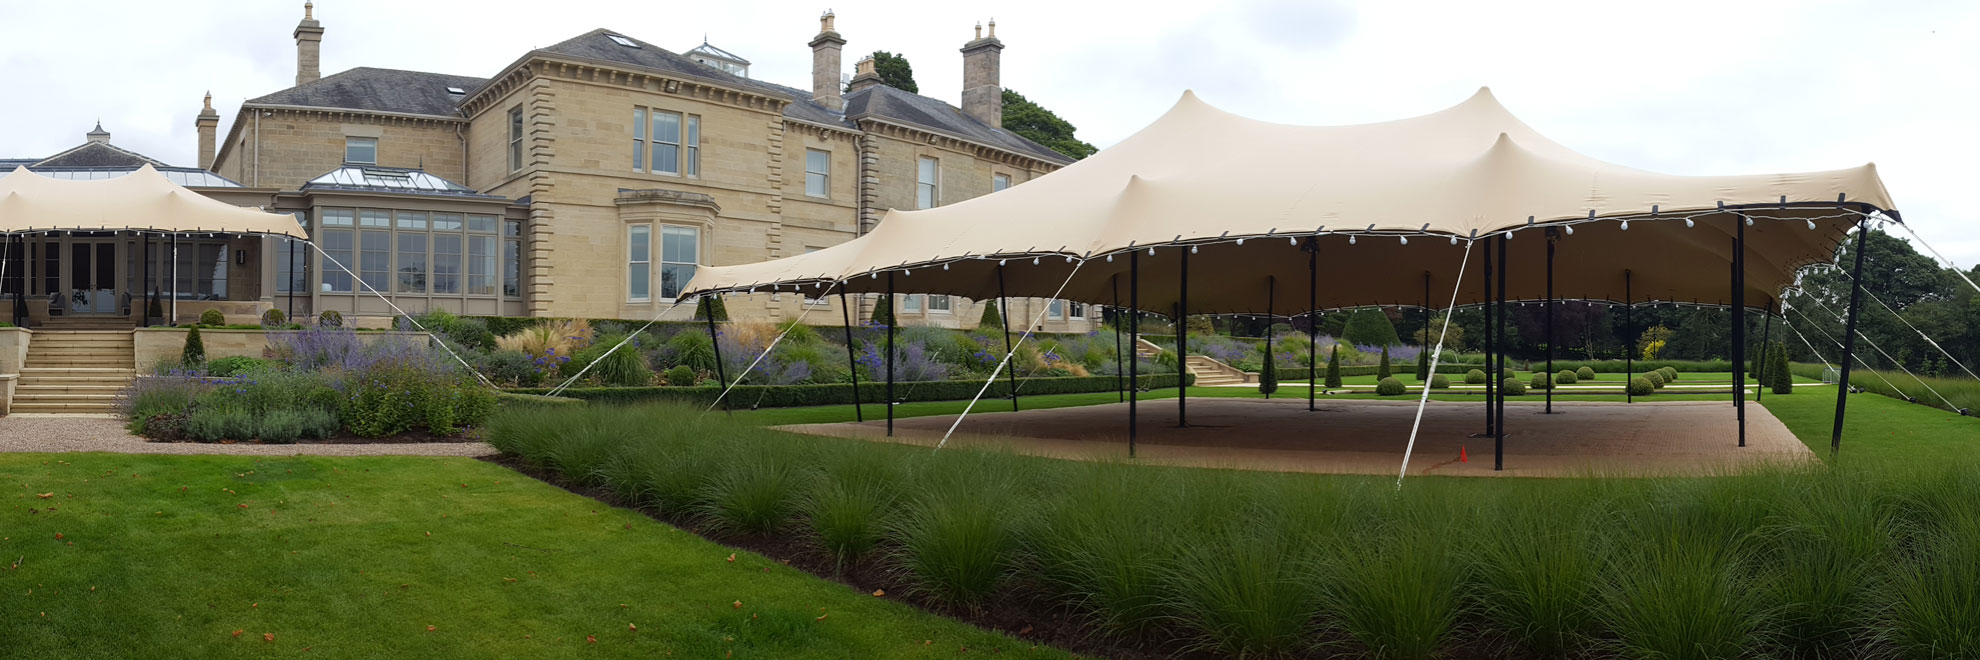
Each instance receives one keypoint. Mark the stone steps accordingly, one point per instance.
(74, 371)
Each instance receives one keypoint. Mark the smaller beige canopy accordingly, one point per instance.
(142, 200)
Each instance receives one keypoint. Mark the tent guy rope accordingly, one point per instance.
(1435, 356)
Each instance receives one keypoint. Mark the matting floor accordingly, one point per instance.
(1368, 437)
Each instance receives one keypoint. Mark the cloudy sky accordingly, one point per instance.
(1679, 86)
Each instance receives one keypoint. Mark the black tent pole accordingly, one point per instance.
(1120, 372)
(1271, 361)
(1739, 324)
(721, 372)
(1498, 329)
(1849, 336)
(893, 319)
(1766, 336)
(1629, 334)
(852, 359)
(1491, 373)
(1553, 236)
(1134, 342)
(1182, 343)
(1426, 325)
(1313, 381)
(288, 277)
(1004, 301)
(144, 241)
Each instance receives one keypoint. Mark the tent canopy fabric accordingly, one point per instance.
(142, 200)
(1380, 203)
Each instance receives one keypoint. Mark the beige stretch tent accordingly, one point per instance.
(143, 200)
(1203, 177)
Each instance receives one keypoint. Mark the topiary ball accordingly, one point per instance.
(273, 318)
(1565, 377)
(1670, 374)
(1513, 387)
(1541, 382)
(1641, 386)
(330, 318)
(1474, 377)
(1440, 381)
(212, 317)
(1585, 373)
(680, 376)
(1390, 387)
(1656, 378)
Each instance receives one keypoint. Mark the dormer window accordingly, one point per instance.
(622, 41)
(456, 91)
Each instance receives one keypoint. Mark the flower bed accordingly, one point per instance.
(321, 383)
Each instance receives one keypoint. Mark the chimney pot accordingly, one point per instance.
(864, 75)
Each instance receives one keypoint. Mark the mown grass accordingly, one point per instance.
(168, 556)
(1860, 557)
(1950, 393)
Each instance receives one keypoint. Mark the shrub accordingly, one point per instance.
(1268, 377)
(680, 376)
(1566, 377)
(883, 311)
(194, 354)
(273, 318)
(1542, 382)
(216, 423)
(1512, 386)
(992, 318)
(1779, 376)
(234, 365)
(1655, 378)
(1585, 373)
(151, 396)
(1370, 326)
(330, 318)
(1383, 370)
(1389, 387)
(511, 367)
(1474, 377)
(692, 350)
(1670, 374)
(1422, 365)
(459, 330)
(1440, 381)
(710, 306)
(1641, 386)
(1334, 367)
(212, 317)
(624, 368)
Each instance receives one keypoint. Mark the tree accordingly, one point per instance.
(1334, 368)
(1777, 370)
(895, 71)
(1035, 123)
(1422, 364)
(1383, 371)
(1268, 377)
(1653, 340)
(991, 317)
(1453, 338)
(883, 311)
(1370, 326)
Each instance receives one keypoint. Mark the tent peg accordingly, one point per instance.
(1426, 227)
(1474, 234)
(1591, 214)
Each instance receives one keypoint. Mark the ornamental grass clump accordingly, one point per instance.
(753, 492)
(1536, 576)
(1398, 596)
(959, 531)
(1104, 551)
(849, 503)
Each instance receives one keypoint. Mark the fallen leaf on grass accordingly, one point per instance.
(879, 592)
(429, 629)
(821, 617)
(237, 633)
(1026, 631)
(739, 604)
(732, 557)
(267, 637)
(632, 627)
(593, 639)
(45, 495)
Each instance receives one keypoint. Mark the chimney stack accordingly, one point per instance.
(825, 50)
(983, 93)
(309, 46)
(864, 76)
(208, 124)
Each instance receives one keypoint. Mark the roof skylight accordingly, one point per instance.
(456, 90)
(622, 41)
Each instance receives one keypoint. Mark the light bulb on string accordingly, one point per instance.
(1240, 241)
(1192, 249)
(1151, 252)
(1110, 258)
(1625, 225)
(1688, 224)
(1069, 259)
(1749, 221)
(1000, 262)
(1811, 225)
(1350, 240)
(1569, 228)
(1291, 241)
(1404, 239)
(1034, 261)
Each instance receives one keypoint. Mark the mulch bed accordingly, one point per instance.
(1018, 611)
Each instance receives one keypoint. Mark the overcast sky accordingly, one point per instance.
(1678, 86)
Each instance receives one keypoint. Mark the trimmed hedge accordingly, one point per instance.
(515, 399)
(1389, 387)
(787, 396)
(1640, 386)
(1293, 373)
(1616, 366)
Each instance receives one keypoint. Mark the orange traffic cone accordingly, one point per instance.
(1462, 458)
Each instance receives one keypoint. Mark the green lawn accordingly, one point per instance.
(168, 556)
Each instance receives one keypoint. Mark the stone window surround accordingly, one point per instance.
(825, 175)
(660, 207)
(687, 144)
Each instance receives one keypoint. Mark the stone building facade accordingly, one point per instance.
(615, 167)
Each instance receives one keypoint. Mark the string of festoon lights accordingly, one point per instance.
(1749, 214)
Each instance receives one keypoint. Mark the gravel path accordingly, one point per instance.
(68, 433)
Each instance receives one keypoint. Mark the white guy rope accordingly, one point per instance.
(1435, 355)
(395, 307)
(1859, 359)
(559, 389)
(1035, 319)
(766, 353)
(1942, 258)
(1811, 346)
(1907, 323)
(1887, 356)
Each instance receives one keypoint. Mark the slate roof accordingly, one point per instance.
(916, 110)
(97, 154)
(380, 90)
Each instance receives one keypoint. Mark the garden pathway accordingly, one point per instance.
(22, 432)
